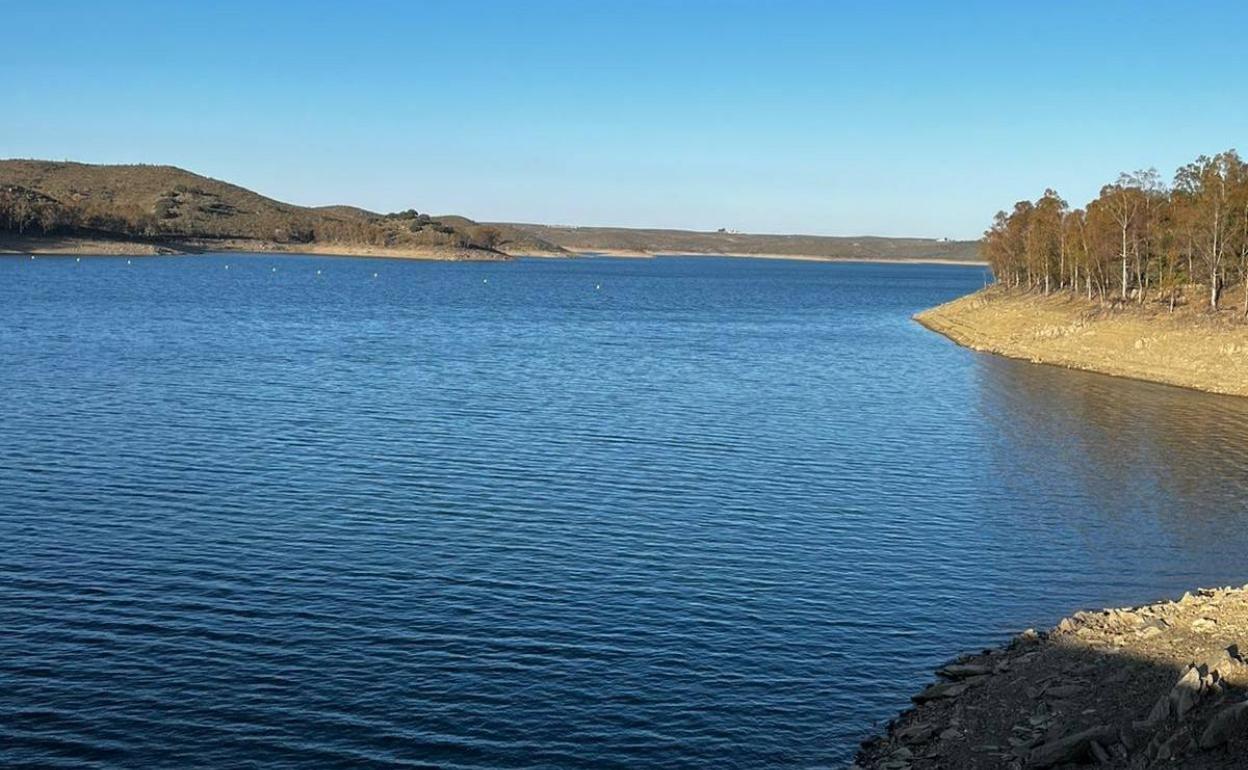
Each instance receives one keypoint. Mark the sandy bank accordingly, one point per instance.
(1188, 348)
(1161, 684)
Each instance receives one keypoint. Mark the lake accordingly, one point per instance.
(593, 513)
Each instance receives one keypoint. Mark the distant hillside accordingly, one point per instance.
(170, 206)
(617, 239)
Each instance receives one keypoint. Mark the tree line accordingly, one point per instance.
(1141, 240)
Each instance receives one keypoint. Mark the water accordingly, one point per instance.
(714, 514)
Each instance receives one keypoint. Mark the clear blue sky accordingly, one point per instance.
(822, 117)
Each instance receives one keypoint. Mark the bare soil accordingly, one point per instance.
(121, 246)
(1190, 347)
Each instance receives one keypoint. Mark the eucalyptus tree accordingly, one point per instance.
(1206, 188)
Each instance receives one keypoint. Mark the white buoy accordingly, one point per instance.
(32, 256)
(77, 259)
(227, 267)
(318, 272)
(127, 261)
(275, 269)
(374, 275)
(483, 280)
(597, 287)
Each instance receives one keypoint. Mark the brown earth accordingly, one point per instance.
(1161, 685)
(1190, 347)
(120, 246)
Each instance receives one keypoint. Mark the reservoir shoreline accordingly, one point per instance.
(1122, 687)
(1188, 349)
(89, 247)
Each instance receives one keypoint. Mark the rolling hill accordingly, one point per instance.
(86, 208)
(163, 207)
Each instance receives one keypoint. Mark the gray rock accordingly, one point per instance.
(1072, 748)
(1063, 691)
(941, 691)
(964, 670)
(1226, 724)
(918, 732)
(1186, 693)
(1099, 753)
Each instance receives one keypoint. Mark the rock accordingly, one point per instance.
(1186, 692)
(1072, 748)
(1204, 625)
(1029, 636)
(918, 732)
(1099, 753)
(1234, 654)
(941, 691)
(1225, 725)
(1063, 691)
(964, 671)
(1066, 626)
(950, 734)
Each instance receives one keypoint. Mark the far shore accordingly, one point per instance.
(108, 247)
(633, 254)
(1189, 348)
(87, 246)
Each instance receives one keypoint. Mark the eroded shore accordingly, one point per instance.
(1188, 348)
(122, 247)
(1163, 684)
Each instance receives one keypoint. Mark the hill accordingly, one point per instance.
(167, 208)
(644, 242)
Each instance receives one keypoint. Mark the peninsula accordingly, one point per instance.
(1148, 281)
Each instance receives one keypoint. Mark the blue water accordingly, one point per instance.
(716, 513)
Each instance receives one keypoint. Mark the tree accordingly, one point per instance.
(1205, 188)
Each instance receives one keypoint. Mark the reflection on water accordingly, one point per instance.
(1122, 447)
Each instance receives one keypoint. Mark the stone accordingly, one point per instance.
(1063, 691)
(941, 691)
(1072, 748)
(1099, 753)
(1204, 625)
(1234, 654)
(918, 732)
(1226, 724)
(1028, 636)
(1186, 692)
(964, 671)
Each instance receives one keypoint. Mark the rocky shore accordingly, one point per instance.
(1161, 685)
(1190, 347)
